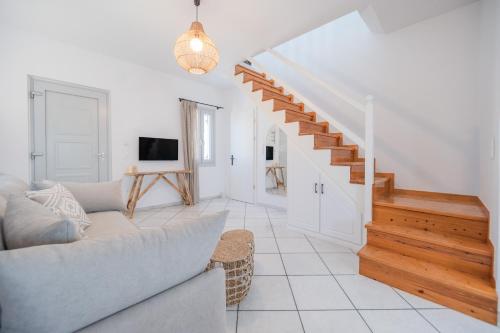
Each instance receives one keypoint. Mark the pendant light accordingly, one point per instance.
(194, 50)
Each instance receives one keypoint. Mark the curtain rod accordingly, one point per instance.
(214, 106)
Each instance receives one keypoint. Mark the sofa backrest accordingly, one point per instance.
(8, 185)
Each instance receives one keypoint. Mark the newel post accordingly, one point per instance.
(369, 159)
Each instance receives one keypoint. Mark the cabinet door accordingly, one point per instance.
(303, 194)
(339, 215)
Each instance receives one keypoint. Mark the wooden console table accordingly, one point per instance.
(135, 193)
(273, 170)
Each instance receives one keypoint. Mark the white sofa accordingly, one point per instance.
(117, 279)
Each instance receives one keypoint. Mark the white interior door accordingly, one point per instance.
(242, 159)
(69, 133)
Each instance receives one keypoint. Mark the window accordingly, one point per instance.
(207, 137)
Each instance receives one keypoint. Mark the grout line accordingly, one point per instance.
(345, 293)
(286, 274)
(416, 310)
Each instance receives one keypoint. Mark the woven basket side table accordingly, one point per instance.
(244, 236)
(236, 258)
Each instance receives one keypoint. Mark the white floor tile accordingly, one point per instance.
(268, 264)
(235, 222)
(366, 293)
(281, 231)
(418, 302)
(325, 246)
(294, 245)
(231, 321)
(262, 221)
(269, 293)
(396, 321)
(318, 293)
(260, 230)
(304, 264)
(276, 221)
(450, 321)
(341, 263)
(265, 245)
(333, 322)
(269, 322)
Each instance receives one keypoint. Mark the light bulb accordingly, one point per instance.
(196, 44)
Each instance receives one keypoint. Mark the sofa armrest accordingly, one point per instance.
(65, 287)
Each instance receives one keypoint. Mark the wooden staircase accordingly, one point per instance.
(432, 245)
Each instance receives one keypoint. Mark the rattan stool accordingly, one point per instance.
(244, 236)
(236, 258)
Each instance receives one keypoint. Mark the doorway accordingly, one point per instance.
(69, 132)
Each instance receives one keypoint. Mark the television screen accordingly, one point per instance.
(269, 153)
(156, 149)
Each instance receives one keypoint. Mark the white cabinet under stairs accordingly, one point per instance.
(316, 204)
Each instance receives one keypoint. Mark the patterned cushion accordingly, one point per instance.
(61, 202)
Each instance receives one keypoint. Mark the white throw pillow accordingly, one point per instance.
(61, 202)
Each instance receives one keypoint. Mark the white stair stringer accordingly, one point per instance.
(321, 158)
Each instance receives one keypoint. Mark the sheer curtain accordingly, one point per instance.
(189, 125)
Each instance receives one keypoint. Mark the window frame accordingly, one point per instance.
(201, 114)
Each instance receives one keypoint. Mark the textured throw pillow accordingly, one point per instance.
(93, 197)
(60, 201)
(27, 223)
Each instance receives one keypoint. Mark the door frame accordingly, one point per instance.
(31, 126)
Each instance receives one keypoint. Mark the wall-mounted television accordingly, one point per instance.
(157, 149)
(269, 153)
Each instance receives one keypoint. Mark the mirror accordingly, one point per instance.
(275, 151)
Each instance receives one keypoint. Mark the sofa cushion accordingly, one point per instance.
(27, 223)
(3, 205)
(61, 202)
(93, 197)
(11, 185)
(105, 224)
(65, 287)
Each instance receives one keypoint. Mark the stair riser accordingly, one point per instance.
(267, 95)
(343, 155)
(280, 105)
(470, 304)
(321, 141)
(256, 86)
(307, 128)
(431, 222)
(250, 77)
(291, 117)
(479, 265)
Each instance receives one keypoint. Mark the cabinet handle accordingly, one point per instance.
(315, 187)
(322, 188)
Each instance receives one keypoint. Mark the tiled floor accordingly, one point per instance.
(302, 284)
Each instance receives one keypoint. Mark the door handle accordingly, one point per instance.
(322, 188)
(100, 155)
(36, 154)
(315, 187)
(232, 159)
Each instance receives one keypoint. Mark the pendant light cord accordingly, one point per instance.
(197, 3)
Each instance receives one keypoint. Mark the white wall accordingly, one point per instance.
(143, 102)
(424, 79)
(489, 92)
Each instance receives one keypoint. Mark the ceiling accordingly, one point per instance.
(144, 31)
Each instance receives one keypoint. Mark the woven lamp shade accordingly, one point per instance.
(201, 58)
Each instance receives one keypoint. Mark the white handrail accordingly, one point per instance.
(367, 109)
(299, 68)
(320, 112)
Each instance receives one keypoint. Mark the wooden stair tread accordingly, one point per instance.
(242, 69)
(335, 134)
(431, 272)
(376, 180)
(350, 163)
(456, 242)
(456, 208)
